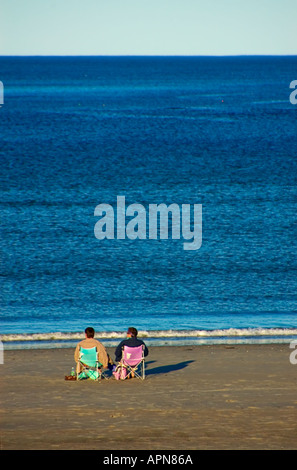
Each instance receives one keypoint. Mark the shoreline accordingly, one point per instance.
(48, 346)
(169, 338)
(207, 397)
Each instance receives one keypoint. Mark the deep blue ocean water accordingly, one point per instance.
(80, 131)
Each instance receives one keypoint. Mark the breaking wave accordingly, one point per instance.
(155, 337)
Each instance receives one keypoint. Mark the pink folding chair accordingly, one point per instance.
(133, 362)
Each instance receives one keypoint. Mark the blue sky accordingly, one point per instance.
(147, 27)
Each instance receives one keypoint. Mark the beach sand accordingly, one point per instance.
(193, 397)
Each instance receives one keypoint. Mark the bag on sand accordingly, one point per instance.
(120, 373)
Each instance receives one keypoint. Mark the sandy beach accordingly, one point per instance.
(194, 397)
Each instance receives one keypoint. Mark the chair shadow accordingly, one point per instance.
(149, 362)
(168, 368)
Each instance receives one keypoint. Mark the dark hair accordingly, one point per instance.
(133, 331)
(90, 332)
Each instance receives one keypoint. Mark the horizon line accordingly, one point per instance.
(148, 55)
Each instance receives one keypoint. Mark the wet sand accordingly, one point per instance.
(194, 397)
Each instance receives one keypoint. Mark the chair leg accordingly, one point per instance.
(77, 369)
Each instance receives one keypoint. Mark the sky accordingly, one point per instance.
(148, 27)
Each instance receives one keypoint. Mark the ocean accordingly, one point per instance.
(78, 132)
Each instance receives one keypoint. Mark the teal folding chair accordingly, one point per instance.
(89, 365)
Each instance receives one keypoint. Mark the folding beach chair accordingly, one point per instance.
(133, 362)
(89, 365)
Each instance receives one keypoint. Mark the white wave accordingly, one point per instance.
(109, 335)
(231, 332)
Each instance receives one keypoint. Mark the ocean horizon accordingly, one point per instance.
(78, 132)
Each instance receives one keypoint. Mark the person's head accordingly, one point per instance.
(90, 332)
(132, 332)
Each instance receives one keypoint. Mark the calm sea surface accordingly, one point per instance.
(80, 131)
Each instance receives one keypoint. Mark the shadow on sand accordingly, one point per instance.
(166, 369)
